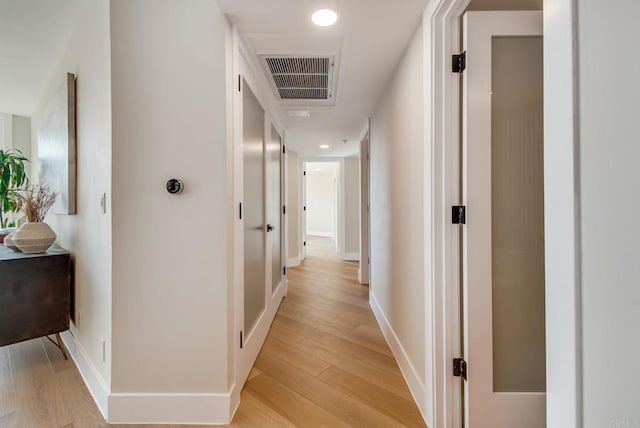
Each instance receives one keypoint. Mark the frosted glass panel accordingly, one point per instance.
(275, 207)
(253, 209)
(517, 215)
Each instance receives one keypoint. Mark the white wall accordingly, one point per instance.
(293, 204)
(561, 278)
(170, 257)
(88, 233)
(609, 200)
(15, 133)
(398, 213)
(591, 157)
(321, 200)
(5, 131)
(352, 205)
(21, 135)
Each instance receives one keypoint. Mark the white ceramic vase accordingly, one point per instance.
(8, 242)
(34, 238)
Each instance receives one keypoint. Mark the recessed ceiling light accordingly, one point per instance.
(324, 17)
(324, 146)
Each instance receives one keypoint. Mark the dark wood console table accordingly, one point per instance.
(35, 295)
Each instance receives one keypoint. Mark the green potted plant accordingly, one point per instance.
(12, 180)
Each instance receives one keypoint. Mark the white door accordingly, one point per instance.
(503, 246)
(275, 215)
(253, 213)
(304, 210)
(260, 239)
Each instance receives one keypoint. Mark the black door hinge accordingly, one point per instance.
(459, 214)
(460, 368)
(304, 208)
(284, 270)
(459, 62)
(241, 342)
(240, 211)
(284, 150)
(284, 209)
(304, 244)
(304, 172)
(239, 83)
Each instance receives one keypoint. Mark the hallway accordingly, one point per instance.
(325, 361)
(324, 364)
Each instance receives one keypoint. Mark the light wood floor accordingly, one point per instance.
(324, 364)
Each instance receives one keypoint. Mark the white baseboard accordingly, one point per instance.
(322, 234)
(195, 409)
(416, 385)
(132, 408)
(350, 256)
(96, 385)
(292, 262)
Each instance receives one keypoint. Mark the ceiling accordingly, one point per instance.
(33, 35)
(370, 38)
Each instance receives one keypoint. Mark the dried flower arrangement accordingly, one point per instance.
(36, 201)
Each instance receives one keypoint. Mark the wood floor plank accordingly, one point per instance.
(7, 398)
(350, 410)
(315, 319)
(38, 397)
(370, 333)
(359, 319)
(285, 335)
(55, 356)
(78, 400)
(396, 407)
(291, 405)
(254, 413)
(392, 382)
(10, 421)
(349, 348)
(254, 372)
(294, 356)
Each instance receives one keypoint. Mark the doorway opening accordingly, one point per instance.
(322, 207)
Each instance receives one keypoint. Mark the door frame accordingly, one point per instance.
(243, 66)
(364, 267)
(441, 37)
(341, 200)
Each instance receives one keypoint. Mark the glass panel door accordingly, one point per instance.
(503, 239)
(517, 215)
(253, 209)
(275, 207)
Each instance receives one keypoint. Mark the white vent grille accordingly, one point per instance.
(301, 78)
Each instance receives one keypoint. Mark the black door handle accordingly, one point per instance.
(270, 228)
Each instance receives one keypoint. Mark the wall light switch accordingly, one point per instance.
(103, 203)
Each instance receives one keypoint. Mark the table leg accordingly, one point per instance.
(58, 344)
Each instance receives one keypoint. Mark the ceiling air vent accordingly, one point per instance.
(302, 78)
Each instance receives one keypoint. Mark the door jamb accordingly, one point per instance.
(364, 267)
(441, 21)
